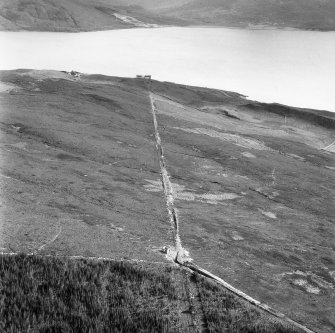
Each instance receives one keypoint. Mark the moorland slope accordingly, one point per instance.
(253, 184)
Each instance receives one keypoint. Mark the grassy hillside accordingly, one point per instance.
(83, 15)
(46, 294)
(254, 189)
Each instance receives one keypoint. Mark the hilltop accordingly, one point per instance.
(88, 15)
(253, 183)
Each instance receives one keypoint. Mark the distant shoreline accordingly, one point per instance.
(260, 27)
(109, 28)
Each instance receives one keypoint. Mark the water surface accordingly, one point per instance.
(291, 67)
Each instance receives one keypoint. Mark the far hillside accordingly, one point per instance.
(75, 15)
(89, 15)
(300, 14)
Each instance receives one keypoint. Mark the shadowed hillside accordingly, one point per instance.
(83, 15)
(75, 15)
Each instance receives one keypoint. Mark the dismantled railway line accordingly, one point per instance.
(179, 255)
